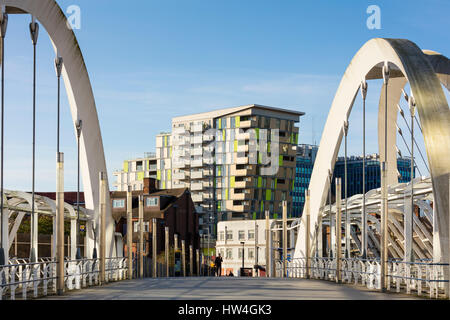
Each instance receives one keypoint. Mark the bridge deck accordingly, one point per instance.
(201, 288)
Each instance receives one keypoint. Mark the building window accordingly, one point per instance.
(136, 226)
(229, 253)
(251, 253)
(251, 234)
(240, 253)
(221, 235)
(119, 203)
(241, 235)
(152, 202)
(229, 235)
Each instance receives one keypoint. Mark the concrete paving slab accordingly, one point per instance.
(225, 288)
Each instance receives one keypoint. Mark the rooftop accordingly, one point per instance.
(227, 111)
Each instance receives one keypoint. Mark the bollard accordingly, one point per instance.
(183, 257)
(167, 250)
(191, 261)
(308, 234)
(154, 231)
(102, 227)
(338, 231)
(141, 236)
(60, 223)
(197, 251)
(284, 238)
(130, 232)
(267, 244)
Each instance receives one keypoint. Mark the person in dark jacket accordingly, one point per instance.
(218, 264)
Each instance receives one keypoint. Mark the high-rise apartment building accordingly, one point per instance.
(228, 161)
(134, 171)
(164, 161)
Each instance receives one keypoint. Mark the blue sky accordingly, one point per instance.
(152, 60)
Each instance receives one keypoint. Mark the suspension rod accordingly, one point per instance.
(364, 214)
(409, 129)
(347, 216)
(409, 151)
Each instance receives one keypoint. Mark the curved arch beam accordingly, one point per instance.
(405, 59)
(395, 86)
(81, 100)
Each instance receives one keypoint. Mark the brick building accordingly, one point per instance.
(172, 208)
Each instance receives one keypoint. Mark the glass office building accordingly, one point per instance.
(373, 173)
(306, 155)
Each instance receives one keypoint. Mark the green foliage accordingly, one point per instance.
(45, 226)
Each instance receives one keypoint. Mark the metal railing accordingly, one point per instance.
(421, 277)
(39, 278)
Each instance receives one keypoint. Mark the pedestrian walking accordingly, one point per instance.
(218, 263)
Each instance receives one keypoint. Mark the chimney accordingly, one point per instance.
(150, 185)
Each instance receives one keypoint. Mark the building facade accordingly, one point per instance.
(172, 208)
(219, 156)
(373, 173)
(134, 171)
(231, 235)
(306, 155)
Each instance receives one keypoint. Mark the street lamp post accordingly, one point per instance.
(242, 269)
(3, 217)
(78, 125)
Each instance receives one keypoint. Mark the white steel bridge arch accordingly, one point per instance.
(82, 105)
(424, 73)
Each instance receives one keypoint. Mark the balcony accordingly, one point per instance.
(208, 196)
(247, 124)
(179, 176)
(197, 139)
(207, 184)
(196, 174)
(197, 197)
(242, 184)
(208, 172)
(197, 163)
(241, 196)
(208, 137)
(180, 163)
(197, 151)
(179, 131)
(242, 148)
(241, 208)
(180, 152)
(209, 148)
(196, 186)
(197, 127)
(243, 160)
